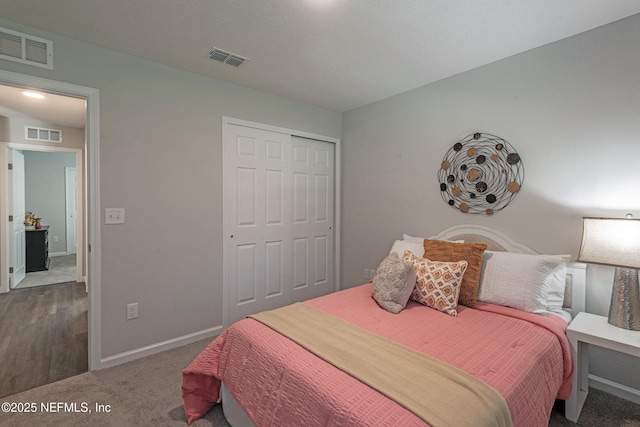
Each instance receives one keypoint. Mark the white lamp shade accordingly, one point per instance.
(611, 241)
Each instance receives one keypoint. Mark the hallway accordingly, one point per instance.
(43, 335)
(62, 269)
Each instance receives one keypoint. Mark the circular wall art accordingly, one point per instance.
(481, 174)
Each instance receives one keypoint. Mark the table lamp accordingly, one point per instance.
(616, 242)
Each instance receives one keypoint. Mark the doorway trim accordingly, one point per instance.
(70, 176)
(91, 222)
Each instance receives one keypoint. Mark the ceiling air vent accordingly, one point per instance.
(227, 57)
(26, 49)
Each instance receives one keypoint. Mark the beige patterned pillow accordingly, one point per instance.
(438, 284)
(393, 283)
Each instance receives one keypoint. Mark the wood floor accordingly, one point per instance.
(43, 335)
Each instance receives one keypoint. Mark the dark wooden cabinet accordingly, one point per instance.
(37, 242)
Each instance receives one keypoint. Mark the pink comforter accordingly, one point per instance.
(525, 357)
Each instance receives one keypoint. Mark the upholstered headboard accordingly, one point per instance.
(575, 289)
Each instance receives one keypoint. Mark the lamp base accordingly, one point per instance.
(624, 311)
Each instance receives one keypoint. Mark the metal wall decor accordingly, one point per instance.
(480, 174)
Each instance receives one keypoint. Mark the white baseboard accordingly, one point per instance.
(622, 391)
(128, 356)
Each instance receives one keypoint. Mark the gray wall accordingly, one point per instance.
(571, 110)
(71, 137)
(161, 160)
(4, 129)
(45, 192)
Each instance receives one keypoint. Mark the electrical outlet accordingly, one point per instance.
(132, 311)
(114, 216)
(369, 273)
(55, 238)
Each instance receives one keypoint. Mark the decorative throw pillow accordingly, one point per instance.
(438, 283)
(440, 250)
(393, 283)
(521, 281)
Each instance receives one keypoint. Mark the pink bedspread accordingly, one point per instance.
(523, 356)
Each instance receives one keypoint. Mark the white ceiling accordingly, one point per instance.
(337, 54)
(56, 109)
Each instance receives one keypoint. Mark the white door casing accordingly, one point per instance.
(19, 263)
(279, 213)
(71, 209)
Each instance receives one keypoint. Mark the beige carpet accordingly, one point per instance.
(62, 269)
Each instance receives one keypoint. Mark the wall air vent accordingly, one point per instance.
(41, 134)
(227, 57)
(26, 49)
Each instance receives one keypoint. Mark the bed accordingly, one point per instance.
(513, 360)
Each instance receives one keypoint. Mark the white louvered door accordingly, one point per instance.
(279, 219)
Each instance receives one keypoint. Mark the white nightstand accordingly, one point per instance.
(587, 329)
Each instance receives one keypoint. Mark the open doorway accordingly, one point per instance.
(91, 221)
(44, 323)
(50, 195)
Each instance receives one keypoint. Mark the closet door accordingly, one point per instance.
(258, 186)
(313, 180)
(279, 203)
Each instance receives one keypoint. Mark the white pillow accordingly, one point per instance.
(421, 239)
(412, 239)
(415, 245)
(520, 281)
(557, 286)
(416, 248)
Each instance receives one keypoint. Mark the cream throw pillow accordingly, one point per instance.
(393, 283)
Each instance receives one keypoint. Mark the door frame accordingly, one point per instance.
(91, 221)
(78, 193)
(226, 220)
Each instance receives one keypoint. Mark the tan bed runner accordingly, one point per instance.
(439, 393)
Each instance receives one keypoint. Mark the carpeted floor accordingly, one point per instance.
(146, 392)
(62, 269)
(600, 410)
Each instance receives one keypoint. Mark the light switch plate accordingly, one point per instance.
(114, 216)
